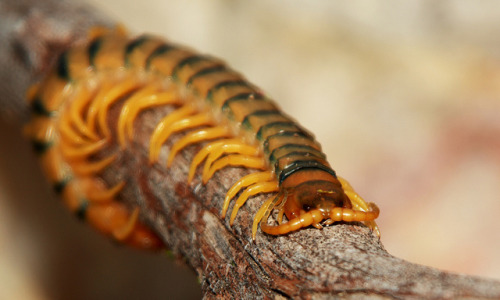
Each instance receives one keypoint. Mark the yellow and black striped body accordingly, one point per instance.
(237, 124)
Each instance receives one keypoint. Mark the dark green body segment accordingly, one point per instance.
(81, 211)
(132, 46)
(40, 147)
(273, 126)
(38, 108)
(241, 97)
(291, 149)
(93, 49)
(287, 147)
(285, 134)
(300, 165)
(61, 184)
(63, 67)
(296, 154)
(161, 50)
(258, 114)
(286, 137)
(185, 62)
(297, 149)
(206, 71)
(223, 84)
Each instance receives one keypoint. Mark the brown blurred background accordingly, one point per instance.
(404, 97)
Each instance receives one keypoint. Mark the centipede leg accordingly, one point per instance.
(204, 153)
(261, 187)
(129, 109)
(265, 210)
(70, 134)
(247, 180)
(89, 168)
(76, 112)
(124, 231)
(224, 148)
(309, 218)
(360, 204)
(136, 104)
(281, 211)
(235, 160)
(113, 218)
(114, 94)
(97, 192)
(197, 120)
(78, 153)
(158, 136)
(196, 137)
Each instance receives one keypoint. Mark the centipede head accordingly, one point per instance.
(319, 194)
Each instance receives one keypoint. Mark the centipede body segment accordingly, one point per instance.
(233, 121)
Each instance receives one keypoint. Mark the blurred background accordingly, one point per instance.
(403, 96)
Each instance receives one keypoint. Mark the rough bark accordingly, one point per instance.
(343, 261)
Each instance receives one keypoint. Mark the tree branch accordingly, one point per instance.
(345, 260)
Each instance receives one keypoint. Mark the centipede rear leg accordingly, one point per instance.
(70, 128)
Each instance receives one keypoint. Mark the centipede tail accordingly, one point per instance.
(234, 123)
(69, 130)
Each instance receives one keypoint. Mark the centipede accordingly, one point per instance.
(234, 123)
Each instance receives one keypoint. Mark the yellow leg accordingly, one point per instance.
(261, 187)
(80, 152)
(235, 160)
(118, 91)
(350, 215)
(131, 103)
(89, 168)
(360, 204)
(247, 180)
(158, 99)
(281, 211)
(240, 148)
(265, 210)
(309, 218)
(204, 152)
(373, 226)
(93, 108)
(356, 199)
(158, 135)
(201, 119)
(113, 218)
(69, 134)
(196, 137)
(105, 195)
(72, 195)
(76, 111)
(123, 232)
